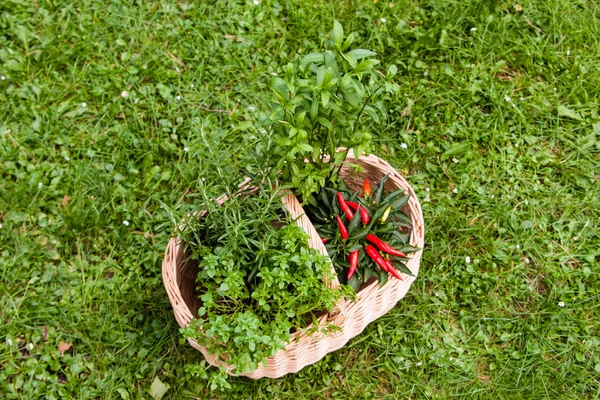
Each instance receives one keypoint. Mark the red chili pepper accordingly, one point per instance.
(342, 227)
(353, 260)
(367, 188)
(344, 206)
(392, 270)
(364, 214)
(324, 240)
(383, 246)
(376, 257)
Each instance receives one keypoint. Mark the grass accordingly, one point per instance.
(499, 114)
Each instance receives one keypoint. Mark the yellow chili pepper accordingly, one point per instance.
(386, 214)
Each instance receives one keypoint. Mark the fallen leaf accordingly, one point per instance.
(45, 334)
(63, 347)
(64, 201)
(158, 389)
(472, 221)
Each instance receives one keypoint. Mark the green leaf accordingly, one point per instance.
(314, 109)
(349, 40)
(370, 111)
(354, 282)
(361, 233)
(351, 60)
(457, 148)
(305, 147)
(366, 65)
(311, 58)
(325, 97)
(243, 126)
(321, 75)
(326, 123)
(338, 34)
(564, 111)
(158, 389)
(400, 202)
(400, 266)
(300, 118)
(355, 222)
(358, 54)
(380, 188)
(392, 70)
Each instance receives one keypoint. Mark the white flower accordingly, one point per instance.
(427, 189)
(518, 246)
(569, 52)
(67, 158)
(178, 97)
(137, 100)
(203, 179)
(124, 93)
(516, 144)
(403, 145)
(274, 73)
(526, 259)
(126, 223)
(84, 104)
(383, 20)
(251, 108)
(186, 149)
(455, 190)
(473, 29)
(2, 77)
(419, 364)
(256, 2)
(9, 342)
(507, 98)
(455, 160)
(561, 303)
(526, 202)
(0, 226)
(468, 260)
(493, 196)
(30, 346)
(192, 85)
(450, 359)
(555, 89)
(40, 185)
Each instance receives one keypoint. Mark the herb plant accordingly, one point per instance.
(258, 280)
(325, 101)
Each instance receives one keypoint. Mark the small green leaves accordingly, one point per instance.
(339, 92)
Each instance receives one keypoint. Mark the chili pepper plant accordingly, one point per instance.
(366, 234)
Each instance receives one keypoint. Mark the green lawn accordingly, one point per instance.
(497, 127)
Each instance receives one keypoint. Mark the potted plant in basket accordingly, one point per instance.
(254, 277)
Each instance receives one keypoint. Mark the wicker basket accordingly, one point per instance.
(372, 302)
